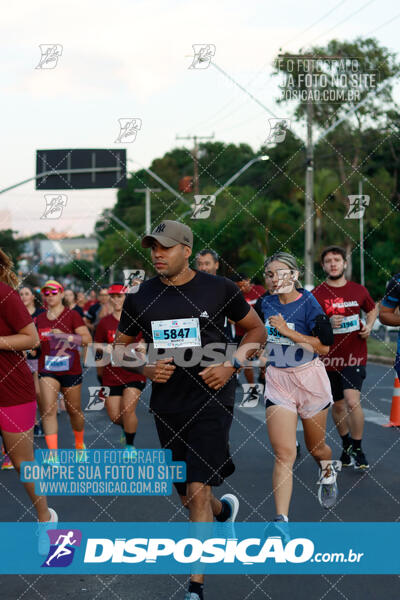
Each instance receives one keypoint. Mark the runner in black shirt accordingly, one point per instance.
(183, 311)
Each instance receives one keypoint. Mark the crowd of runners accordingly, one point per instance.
(308, 348)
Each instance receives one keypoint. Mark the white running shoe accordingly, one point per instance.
(327, 486)
(191, 596)
(226, 529)
(234, 504)
(43, 527)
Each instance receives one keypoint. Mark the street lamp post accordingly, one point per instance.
(242, 170)
(234, 177)
(148, 205)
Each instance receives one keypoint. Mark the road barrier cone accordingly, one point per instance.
(394, 419)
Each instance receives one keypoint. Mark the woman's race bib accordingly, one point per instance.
(179, 333)
(349, 324)
(277, 338)
(57, 363)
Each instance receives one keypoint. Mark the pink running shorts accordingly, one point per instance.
(304, 390)
(18, 418)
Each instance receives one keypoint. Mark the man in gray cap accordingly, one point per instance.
(180, 312)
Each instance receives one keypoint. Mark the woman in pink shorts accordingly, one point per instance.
(17, 390)
(296, 382)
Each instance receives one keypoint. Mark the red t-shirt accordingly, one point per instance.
(16, 381)
(68, 359)
(348, 349)
(88, 304)
(251, 298)
(105, 333)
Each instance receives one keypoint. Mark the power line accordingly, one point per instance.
(344, 20)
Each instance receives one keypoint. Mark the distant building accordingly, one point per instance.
(61, 251)
(56, 235)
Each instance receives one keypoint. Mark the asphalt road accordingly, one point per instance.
(372, 496)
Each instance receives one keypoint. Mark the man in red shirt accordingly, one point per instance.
(342, 301)
(251, 292)
(92, 300)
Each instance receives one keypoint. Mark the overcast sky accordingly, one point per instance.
(130, 58)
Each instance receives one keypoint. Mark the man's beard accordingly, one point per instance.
(335, 277)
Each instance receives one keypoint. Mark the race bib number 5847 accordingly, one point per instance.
(179, 333)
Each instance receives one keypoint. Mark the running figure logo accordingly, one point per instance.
(62, 547)
(202, 206)
(128, 129)
(97, 397)
(203, 53)
(50, 53)
(251, 394)
(357, 206)
(55, 203)
(277, 130)
(133, 278)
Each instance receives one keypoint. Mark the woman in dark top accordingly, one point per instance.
(70, 298)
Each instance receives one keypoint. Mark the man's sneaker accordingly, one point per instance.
(44, 542)
(191, 596)
(327, 486)
(81, 454)
(346, 458)
(6, 465)
(233, 503)
(226, 528)
(52, 458)
(360, 460)
(279, 527)
(129, 452)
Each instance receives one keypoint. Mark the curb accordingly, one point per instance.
(383, 360)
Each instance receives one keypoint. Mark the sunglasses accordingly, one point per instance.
(50, 292)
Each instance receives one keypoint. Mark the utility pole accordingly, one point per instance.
(309, 202)
(195, 153)
(148, 191)
(362, 272)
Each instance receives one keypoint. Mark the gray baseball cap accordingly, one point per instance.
(168, 234)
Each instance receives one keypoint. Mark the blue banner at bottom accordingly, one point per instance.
(213, 548)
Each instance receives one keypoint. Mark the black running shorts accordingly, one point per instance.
(349, 378)
(201, 439)
(118, 390)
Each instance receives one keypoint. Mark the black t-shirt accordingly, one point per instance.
(207, 298)
(37, 312)
(91, 313)
(79, 310)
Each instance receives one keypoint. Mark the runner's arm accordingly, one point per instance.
(159, 372)
(254, 338)
(370, 320)
(83, 331)
(389, 316)
(26, 339)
